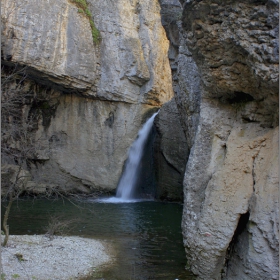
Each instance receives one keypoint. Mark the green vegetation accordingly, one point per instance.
(95, 33)
(87, 12)
(15, 276)
(19, 257)
(81, 3)
(83, 8)
(3, 276)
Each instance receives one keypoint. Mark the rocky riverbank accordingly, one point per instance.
(39, 257)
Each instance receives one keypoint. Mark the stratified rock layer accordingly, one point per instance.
(94, 97)
(224, 61)
(53, 39)
(134, 61)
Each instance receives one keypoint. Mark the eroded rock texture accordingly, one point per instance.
(224, 60)
(93, 97)
(223, 119)
(170, 152)
(230, 219)
(177, 119)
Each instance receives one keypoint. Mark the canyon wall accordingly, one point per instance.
(93, 97)
(224, 57)
(216, 140)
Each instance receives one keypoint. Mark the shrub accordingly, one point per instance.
(19, 256)
(81, 3)
(95, 33)
(88, 13)
(83, 8)
(58, 226)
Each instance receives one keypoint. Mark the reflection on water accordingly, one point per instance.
(114, 199)
(146, 235)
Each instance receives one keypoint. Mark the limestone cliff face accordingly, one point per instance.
(134, 56)
(53, 39)
(222, 121)
(224, 58)
(98, 95)
(225, 65)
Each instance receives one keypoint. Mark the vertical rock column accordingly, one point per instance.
(230, 220)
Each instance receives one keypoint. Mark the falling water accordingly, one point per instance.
(127, 183)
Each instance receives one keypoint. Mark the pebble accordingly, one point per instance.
(42, 260)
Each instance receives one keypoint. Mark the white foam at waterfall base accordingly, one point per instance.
(120, 200)
(127, 183)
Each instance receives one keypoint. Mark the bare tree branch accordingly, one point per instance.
(20, 114)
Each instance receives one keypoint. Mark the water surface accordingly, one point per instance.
(146, 235)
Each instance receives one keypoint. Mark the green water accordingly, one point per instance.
(146, 236)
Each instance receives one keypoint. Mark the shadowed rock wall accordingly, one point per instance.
(170, 152)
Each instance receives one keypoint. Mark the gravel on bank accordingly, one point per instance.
(39, 257)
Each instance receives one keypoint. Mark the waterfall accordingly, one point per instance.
(128, 181)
